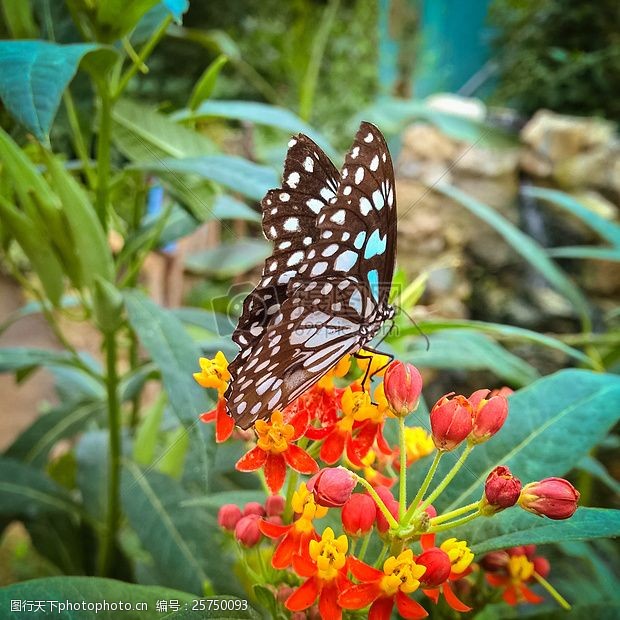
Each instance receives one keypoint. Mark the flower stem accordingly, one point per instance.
(425, 484)
(103, 154)
(554, 593)
(384, 550)
(114, 458)
(382, 507)
(402, 491)
(352, 547)
(288, 504)
(455, 523)
(454, 513)
(448, 479)
(364, 546)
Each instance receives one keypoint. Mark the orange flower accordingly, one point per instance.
(274, 449)
(514, 574)
(224, 424)
(325, 568)
(382, 588)
(297, 535)
(460, 559)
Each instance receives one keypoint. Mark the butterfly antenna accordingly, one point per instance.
(426, 338)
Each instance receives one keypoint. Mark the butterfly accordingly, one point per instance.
(324, 291)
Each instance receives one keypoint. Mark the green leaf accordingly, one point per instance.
(514, 527)
(181, 540)
(24, 490)
(524, 245)
(37, 249)
(91, 453)
(551, 425)
(229, 208)
(18, 358)
(91, 245)
(605, 228)
(173, 351)
(595, 468)
(143, 600)
(229, 259)
(34, 307)
(118, 17)
(260, 113)
(236, 173)
(173, 457)
(143, 134)
(33, 76)
(214, 501)
(35, 443)
(148, 431)
(586, 251)
(467, 350)
(509, 332)
(19, 20)
(206, 83)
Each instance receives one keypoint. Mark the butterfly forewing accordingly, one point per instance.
(324, 291)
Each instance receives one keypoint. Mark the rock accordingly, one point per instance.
(586, 168)
(426, 142)
(557, 137)
(449, 103)
(534, 163)
(487, 161)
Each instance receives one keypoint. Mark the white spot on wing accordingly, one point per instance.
(374, 164)
(318, 268)
(369, 137)
(338, 217)
(345, 261)
(359, 175)
(308, 164)
(291, 224)
(295, 258)
(293, 179)
(365, 205)
(315, 205)
(330, 250)
(284, 197)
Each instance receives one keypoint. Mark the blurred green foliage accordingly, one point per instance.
(558, 54)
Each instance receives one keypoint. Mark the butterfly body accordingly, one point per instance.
(324, 291)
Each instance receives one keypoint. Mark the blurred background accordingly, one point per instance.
(501, 118)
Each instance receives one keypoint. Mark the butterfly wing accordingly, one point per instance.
(289, 221)
(331, 302)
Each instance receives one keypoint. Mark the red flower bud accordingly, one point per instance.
(246, 530)
(541, 566)
(402, 384)
(253, 508)
(488, 415)
(555, 498)
(228, 515)
(391, 504)
(501, 490)
(277, 519)
(529, 551)
(274, 505)
(495, 561)
(358, 514)
(451, 421)
(332, 486)
(438, 567)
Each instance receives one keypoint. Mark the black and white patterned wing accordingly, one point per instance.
(358, 229)
(289, 221)
(306, 338)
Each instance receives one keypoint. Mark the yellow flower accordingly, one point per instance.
(329, 553)
(357, 406)
(338, 371)
(377, 362)
(401, 573)
(303, 504)
(520, 568)
(458, 552)
(418, 443)
(274, 436)
(213, 373)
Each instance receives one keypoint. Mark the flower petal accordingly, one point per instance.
(304, 566)
(328, 602)
(273, 530)
(408, 608)
(304, 596)
(529, 596)
(299, 422)
(252, 460)
(208, 416)
(433, 594)
(332, 447)
(427, 541)
(381, 609)
(300, 460)
(359, 596)
(224, 424)
(283, 555)
(275, 472)
(362, 571)
(453, 600)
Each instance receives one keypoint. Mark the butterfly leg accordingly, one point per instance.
(373, 352)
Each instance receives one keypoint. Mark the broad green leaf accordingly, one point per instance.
(468, 350)
(236, 173)
(173, 351)
(260, 113)
(33, 76)
(205, 319)
(206, 83)
(35, 443)
(91, 245)
(34, 307)
(595, 468)
(214, 501)
(183, 541)
(605, 228)
(586, 251)
(229, 259)
(143, 600)
(39, 252)
(509, 332)
(24, 490)
(91, 453)
(148, 431)
(117, 17)
(74, 385)
(551, 425)
(229, 208)
(172, 460)
(524, 245)
(143, 134)
(18, 358)
(514, 527)
(19, 19)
